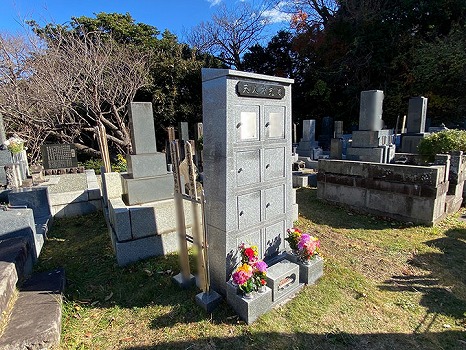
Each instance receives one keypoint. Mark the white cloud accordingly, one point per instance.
(276, 15)
(214, 2)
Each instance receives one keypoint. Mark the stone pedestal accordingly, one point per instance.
(249, 309)
(310, 272)
(5, 158)
(283, 279)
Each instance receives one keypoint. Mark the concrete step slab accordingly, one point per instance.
(35, 322)
(15, 263)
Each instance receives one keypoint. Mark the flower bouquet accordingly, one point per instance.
(251, 275)
(14, 144)
(293, 237)
(308, 247)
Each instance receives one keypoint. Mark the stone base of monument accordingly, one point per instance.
(310, 272)
(182, 282)
(283, 279)
(147, 189)
(209, 300)
(249, 309)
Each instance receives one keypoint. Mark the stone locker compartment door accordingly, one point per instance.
(247, 123)
(274, 163)
(249, 210)
(247, 167)
(274, 239)
(274, 202)
(274, 122)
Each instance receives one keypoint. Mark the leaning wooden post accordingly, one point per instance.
(196, 216)
(184, 279)
(103, 145)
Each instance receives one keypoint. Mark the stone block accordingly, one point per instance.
(370, 139)
(94, 194)
(146, 165)
(375, 155)
(5, 158)
(342, 167)
(310, 272)
(417, 111)
(336, 148)
(249, 309)
(20, 223)
(182, 282)
(300, 180)
(148, 189)
(82, 208)
(138, 249)
(142, 128)
(65, 198)
(370, 112)
(309, 130)
(143, 221)
(119, 218)
(36, 198)
(283, 279)
(111, 186)
(409, 143)
(295, 211)
(208, 300)
(312, 180)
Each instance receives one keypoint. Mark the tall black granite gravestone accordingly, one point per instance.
(326, 133)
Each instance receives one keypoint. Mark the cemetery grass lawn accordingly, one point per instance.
(386, 285)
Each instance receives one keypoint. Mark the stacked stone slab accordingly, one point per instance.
(139, 206)
(404, 192)
(308, 143)
(370, 143)
(416, 124)
(147, 179)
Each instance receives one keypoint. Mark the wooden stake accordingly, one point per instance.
(179, 211)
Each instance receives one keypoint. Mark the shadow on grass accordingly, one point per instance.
(323, 213)
(83, 248)
(443, 289)
(334, 341)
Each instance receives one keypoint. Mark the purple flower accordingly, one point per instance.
(261, 266)
(305, 238)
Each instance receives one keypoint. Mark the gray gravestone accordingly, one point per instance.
(370, 112)
(370, 143)
(148, 179)
(183, 131)
(417, 111)
(2, 131)
(308, 141)
(142, 128)
(247, 175)
(58, 156)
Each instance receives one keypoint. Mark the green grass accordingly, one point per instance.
(387, 285)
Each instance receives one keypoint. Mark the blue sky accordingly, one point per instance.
(175, 15)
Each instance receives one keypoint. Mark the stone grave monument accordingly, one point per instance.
(336, 144)
(138, 205)
(5, 154)
(370, 143)
(416, 124)
(60, 159)
(307, 145)
(326, 133)
(147, 179)
(247, 180)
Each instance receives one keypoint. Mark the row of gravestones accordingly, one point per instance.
(371, 142)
